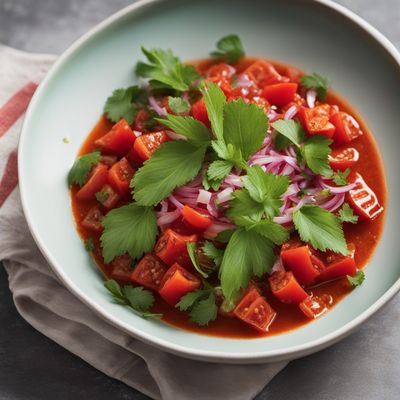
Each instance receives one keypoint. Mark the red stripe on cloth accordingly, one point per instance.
(15, 107)
(10, 177)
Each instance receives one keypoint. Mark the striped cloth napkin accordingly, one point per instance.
(50, 308)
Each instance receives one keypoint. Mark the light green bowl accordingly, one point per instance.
(314, 35)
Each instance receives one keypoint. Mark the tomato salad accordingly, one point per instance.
(231, 196)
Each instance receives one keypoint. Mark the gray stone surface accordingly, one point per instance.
(364, 366)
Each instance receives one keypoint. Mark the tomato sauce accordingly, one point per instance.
(365, 235)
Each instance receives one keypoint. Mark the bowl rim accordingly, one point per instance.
(206, 355)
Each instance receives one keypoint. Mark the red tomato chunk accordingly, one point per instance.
(199, 112)
(146, 145)
(196, 218)
(316, 120)
(343, 158)
(346, 129)
(97, 179)
(121, 268)
(120, 176)
(149, 272)
(263, 73)
(93, 219)
(280, 94)
(285, 287)
(315, 306)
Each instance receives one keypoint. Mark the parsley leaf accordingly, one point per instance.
(204, 311)
(165, 68)
(357, 279)
(340, 177)
(214, 184)
(215, 100)
(192, 251)
(178, 105)
(245, 126)
(189, 127)
(321, 228)
(316, 151)
(346, 214)
(316, 82)
(128, 229)
(137, 298)
(230, 48)
(119, 104)
(266, 188)
(246, 255)
(189, 299)
(81, 168)
(270, 230)
(217, 170)
(101, 197)
(89, 244)
(291, 130)
(212, 252)
(173, 164)
(243, 205)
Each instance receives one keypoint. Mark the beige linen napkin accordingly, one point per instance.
(50, 308)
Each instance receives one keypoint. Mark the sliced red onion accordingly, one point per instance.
(283, 219)
(204, 196)
(187, 190)
(216, 228)
(334, 203)
(196, 181)
(244, 81)
(234, 180)
(175, 136)
(354, 122)
(272, 115)
(311, 96)
(287, 170)
(161, 111)
(168, 217)
(211, 207)
(137, 133)
(164, 206)
(175, 201)
(291, 112)
(278, 266)
(225, 195)
(337, 189)
(185, 96)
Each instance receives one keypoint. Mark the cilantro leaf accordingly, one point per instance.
(357, 279)
(128, 229)
(80, 170)
(229, 153)
(119, 104)
(217, 170)
(230, 48)
(188, 300)
(173, 164)
(316, 82)
(137, 298)
(204, 311)
(189, 127)
(321, 228)
(214, 184)
(340, 177)
(215, 100)
(242, 204)
(89, 244)
(266, 188)
(192, 251)
(291, 130)
(246, 255)
(101, 197)
(346, 214)
(270, 230)
(316, 151)
(165, 68)
(245, 126)
(178, 105)
(212, 252)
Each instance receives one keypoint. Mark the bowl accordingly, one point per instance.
(363, 67)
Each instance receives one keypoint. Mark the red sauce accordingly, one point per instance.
(364, 235)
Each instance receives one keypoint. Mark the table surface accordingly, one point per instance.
(364, 366)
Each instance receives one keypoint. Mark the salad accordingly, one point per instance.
(231, 196)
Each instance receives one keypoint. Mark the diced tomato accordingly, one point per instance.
(141, 118)
(93, 219)
(196, 218)
(260, 102)
(149, 272)
(363, 200)
(146, 145)
(244, 92)
(316, 120)
(338, 265)
(299, 259)
(109, 160)
(255, 311)
(346, 128)
(220, 70)
(97, 179)
(119, 140)
(315, 306)
(285, 287)
(120, 175)
(280, 94)
(263, 73)
(171, 248)
(176, 283)
(199, 112)
(223, 83)
(294, 74)
(111, 197)
(121, 268)
(343, 158)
